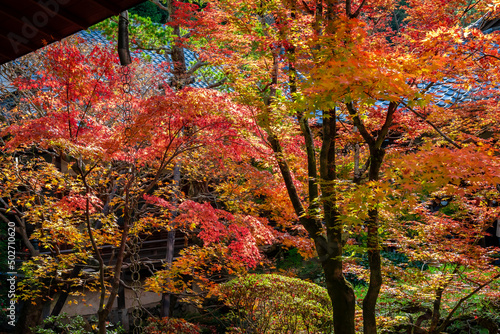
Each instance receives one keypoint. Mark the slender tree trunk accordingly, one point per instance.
(376, 158)
(329, 246)
(340, 291)
(30, 316)
(329, 250)
(106, 306)
(373, 245)
(342, 296)
(104, 311)
(166, 301)
(374, 261)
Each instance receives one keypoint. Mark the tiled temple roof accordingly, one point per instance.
(203, 78)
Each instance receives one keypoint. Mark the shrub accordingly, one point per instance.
(66, 324)
(278, 304)
(170, 326)
(63, 324)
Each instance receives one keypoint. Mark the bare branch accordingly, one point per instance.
(141, 46)
(492, 56)
(161, 6)
(306, 7)
(217, 84)
(199, 64)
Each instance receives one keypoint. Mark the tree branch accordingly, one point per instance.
(199, 64)
(431, 124)
(348, 6)
(357, 12)
(358, 174)
(217, 84)
(139, 45)
(161, 6)
(359, 124)
(448, 319)
(307, 8)
(387, 124)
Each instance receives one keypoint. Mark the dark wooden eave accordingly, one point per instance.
(27, 25)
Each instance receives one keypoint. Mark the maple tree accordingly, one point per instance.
(444, 198)
(295, 153)
(119, 166)
(290, 61)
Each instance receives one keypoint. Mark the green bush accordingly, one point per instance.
(63, 324)
(66, 324)
(277, 304)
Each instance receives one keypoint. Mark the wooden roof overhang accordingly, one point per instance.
(27, 25)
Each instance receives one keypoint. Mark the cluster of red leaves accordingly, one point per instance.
(75, 202)
(80, 99)
(184, 14)
(170, 325)
(241, 234)
(155, 200)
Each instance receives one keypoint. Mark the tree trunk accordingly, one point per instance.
(340, 291)
(123, 45)
(167, 300)
(329, 251)
(329, 247)
(376, 158)
(374, 261)
(103, 312)
(342, 296)
(373, 245)
(30, 316)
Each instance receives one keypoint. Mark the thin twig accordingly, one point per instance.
(451, 141)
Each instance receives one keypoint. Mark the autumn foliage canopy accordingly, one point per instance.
(332, 133)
